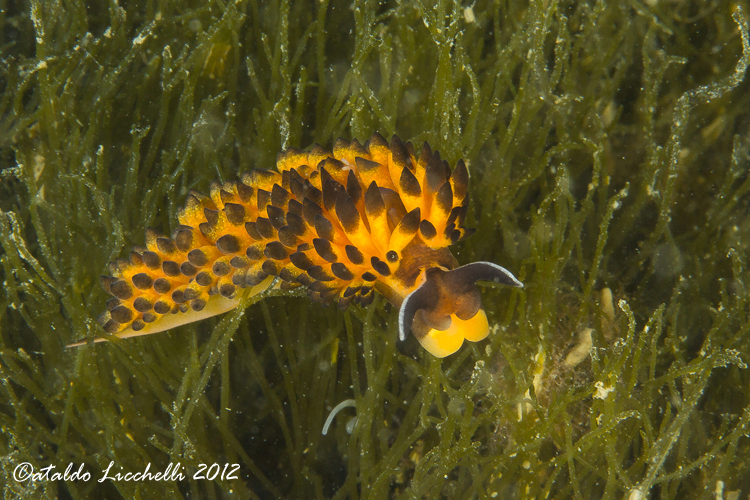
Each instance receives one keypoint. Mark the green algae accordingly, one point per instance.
(608, 148)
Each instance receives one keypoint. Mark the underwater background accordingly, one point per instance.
(608, 145)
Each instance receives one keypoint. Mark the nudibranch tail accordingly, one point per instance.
(217, 305)
(341, 224)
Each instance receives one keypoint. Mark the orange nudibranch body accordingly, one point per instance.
(342, 224)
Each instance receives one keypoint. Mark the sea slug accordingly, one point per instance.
(343, 225)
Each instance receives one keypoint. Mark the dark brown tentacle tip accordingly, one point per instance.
(482, 271)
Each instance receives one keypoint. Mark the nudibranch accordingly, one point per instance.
(343, 225)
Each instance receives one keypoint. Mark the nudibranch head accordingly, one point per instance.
(446, 308)
(340, 224)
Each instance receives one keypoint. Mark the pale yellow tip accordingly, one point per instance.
(216, 305)
(443, 343)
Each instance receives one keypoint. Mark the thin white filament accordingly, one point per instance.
(344, 404)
